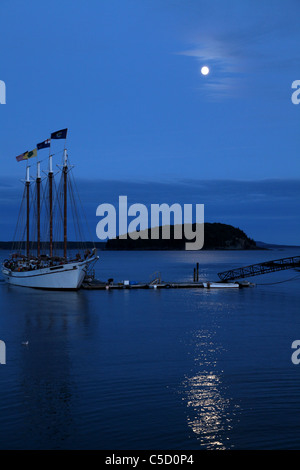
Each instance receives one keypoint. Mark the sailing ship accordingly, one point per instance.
(39, 259)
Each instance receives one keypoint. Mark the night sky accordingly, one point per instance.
(124, 76)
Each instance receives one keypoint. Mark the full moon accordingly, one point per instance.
(205, 70)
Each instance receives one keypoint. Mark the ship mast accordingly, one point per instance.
(65, 173)
(38, 201)
(27, 183)
(50, 178)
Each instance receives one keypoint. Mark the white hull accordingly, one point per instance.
(219, 285)
(68, 276)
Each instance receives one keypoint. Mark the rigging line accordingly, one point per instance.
(58, 212)
(22, 234)
(20, 215)
(72, 210)
(76, 215)
(55, 234)
(76, 219)
(33, 218)
(34, 163)
(279, 282)
(53, 154)
(44, 214)
(17, 242)
(44, 217)
(79, 220)
(83, 211)
(32, 230)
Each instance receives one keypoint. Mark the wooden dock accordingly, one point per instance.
(98, 285)
(232, 279)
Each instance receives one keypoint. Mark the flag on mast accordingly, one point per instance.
(21, 157)
(32, 153)
(62, 134)
(27, 155)
(44, 145)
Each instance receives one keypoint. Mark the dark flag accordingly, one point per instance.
(62, 134)
(44, 145)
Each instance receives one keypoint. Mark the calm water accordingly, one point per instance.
(149, 369)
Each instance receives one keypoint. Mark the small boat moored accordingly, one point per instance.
(219, 285)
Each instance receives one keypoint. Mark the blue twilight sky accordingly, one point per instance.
(124, 77)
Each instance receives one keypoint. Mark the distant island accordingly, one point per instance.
(217, 236)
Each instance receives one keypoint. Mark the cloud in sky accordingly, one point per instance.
(244, 46)
(223, 65)
(129, 87)
(267, 210)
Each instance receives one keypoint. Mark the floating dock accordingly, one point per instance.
(98, 285)
(157, 283)
(228, 279)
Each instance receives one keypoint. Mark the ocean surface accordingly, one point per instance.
(173, 369)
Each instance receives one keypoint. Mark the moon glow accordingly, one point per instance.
(205, 70)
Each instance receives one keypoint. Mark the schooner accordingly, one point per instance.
(44, 263)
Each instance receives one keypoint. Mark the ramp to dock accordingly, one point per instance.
(261, 268)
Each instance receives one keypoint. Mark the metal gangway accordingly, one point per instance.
(261, 268)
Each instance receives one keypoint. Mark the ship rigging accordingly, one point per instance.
(40, 257)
